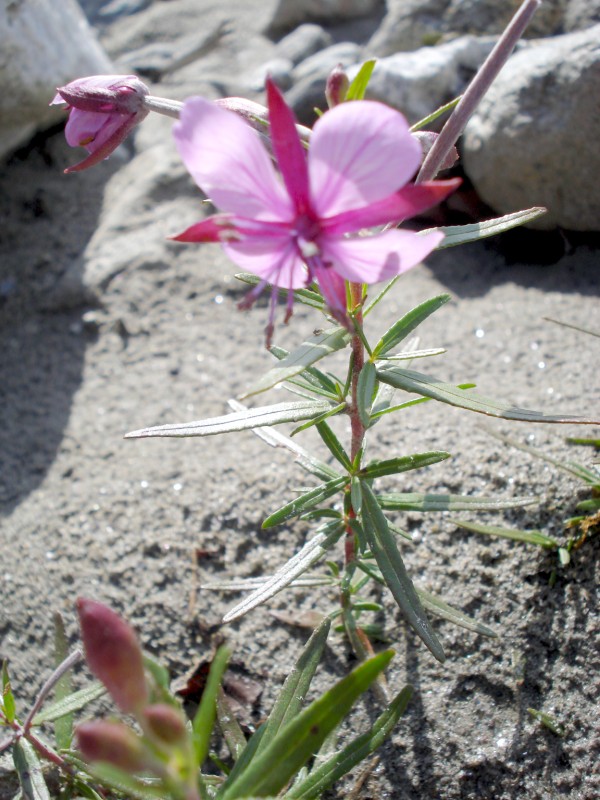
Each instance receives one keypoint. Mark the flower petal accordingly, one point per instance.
(275, 260)
(225, 158)
(288, 149)
(360, 152)
(370, 259)
(90, 129)
(408, 202)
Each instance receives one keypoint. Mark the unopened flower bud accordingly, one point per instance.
(113, 654)
(165, 722)
(112, 742)
(336, 86)
(104, 109)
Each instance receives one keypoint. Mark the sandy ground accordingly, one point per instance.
(105, 328)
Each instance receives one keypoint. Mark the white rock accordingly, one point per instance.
(417, 83)
(290, 13)
(581, 14)
(45, 44)
(534, 139)
(410, 24)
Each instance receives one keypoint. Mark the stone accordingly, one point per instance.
(290, 13)
(411, 24)
(419, 82)
(310, 76)
(44, 45)
(534, 139)
(581, 14)
(303, 42)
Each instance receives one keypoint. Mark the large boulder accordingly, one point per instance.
(411, 24)
(534, 138)
(45, 44)
(289, 13)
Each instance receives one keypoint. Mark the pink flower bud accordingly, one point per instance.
(165, 722)
(104, 109)
(336, 87)
(112, 742)
(113, 654)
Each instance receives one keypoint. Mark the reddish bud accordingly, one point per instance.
(336, 87)
(113, 654)
(112, 742)
(165, 722)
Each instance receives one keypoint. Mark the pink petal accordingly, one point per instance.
(408, 202)
(217, 228)
(360, 152)
(102, 151)
(225, 158)
(275, 260)
(370, 259)
(288, 149)
(90, 129)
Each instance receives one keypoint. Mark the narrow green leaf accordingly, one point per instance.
(461, 234)
(367, 382)
(69, 704)
(230, 728)
(392, 466)
(311, 376)
(409, 355)
(8, 698)
(276, 439)
(358, 87)
(412, 501)
(29, 771)
(356, 494)
(294, 690)
(435, 114)
(547, 721)
(312, 551)
(125, 783)
(159, 673)
(388, 558)
(332, 411)
(426, 385)
(297, 741)
(204, 720)
(407, 324)
(63, 726)
(529, 537)
(341, 763)
(240, 421)
(310, 351)
(305, 501)
(444, 610)
(334, 446)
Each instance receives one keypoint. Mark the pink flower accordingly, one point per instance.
(293, 231)
(104, 109)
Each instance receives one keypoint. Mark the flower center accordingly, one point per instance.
(306, 232)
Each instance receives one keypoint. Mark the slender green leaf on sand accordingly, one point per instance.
(412, 501)
(529, 537)
(305, 501)
(462, 234)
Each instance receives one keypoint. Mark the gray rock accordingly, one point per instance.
(581, 14)
(417, 83)
(290, 13)
(534, 139)
(303, 42)
(279, 69)
(310, 77)
(44, 45)
(410, 24)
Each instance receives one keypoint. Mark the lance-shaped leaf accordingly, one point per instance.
(428, 386)
(291, 697)
(305, 501)
(392, 466)
(340, 763)
(367, 381)
(311, 378)
(383, 546)
(461, 234)
(312, 551)
(412, 501)
(334, 445)
(204, 719)
(239, 421)
(67, 705)
(29, 770)
(444, 610)
(358, 87)
(297, 741)
(529, 537)
(310, 351)
(407, 324)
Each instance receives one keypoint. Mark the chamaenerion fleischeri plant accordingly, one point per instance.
(321, 232)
